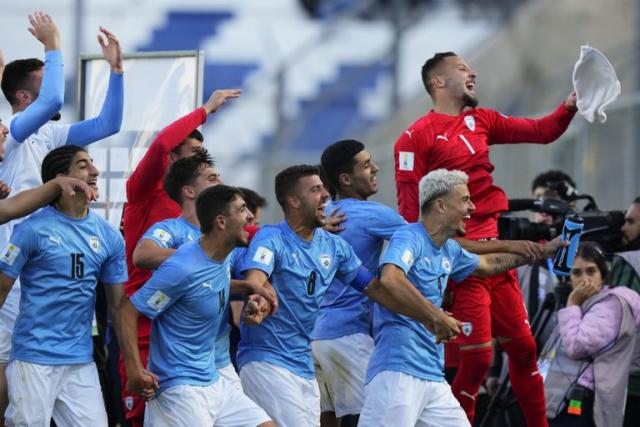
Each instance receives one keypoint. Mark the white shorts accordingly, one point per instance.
(69, 393)
(220, 404)
(290, 400)
(341, 366)
(8, 315)
(229, 373)
(395, 399)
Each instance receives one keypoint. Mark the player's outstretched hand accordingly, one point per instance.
(143, 384)
(45, 30)
(571, 103)
(267, 292)
(71, 186)
(446, 327)
(111, 49)
(5, 190)
(550, 248)
(526, 248)
(336, 217)
(219, 97)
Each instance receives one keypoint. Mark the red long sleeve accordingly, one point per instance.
(515, 130)
(151, 168)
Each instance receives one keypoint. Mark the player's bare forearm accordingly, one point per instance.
(6, 283)
(394, 292)
(482, 247)
(148, 255)
(127, 330)
(492, 264)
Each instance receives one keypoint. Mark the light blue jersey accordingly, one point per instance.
(301, 272)
(59, 260)
(173, 233)
(186, 299)
(402, 344)
(344, 310)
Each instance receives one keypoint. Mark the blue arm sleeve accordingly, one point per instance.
(362, 279)
(109, 120)
(49, 101)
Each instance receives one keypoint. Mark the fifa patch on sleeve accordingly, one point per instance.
(263, 256)
(407, 257)
(11, 254)
(161, 235)
(405, 161)
(158, 301)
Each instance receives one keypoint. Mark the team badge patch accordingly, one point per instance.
(11, 254)
(446, 265)
(94, 243)
(470, 121)
(161, 235)
(467, 328)
(405, 161)
(263, 256)
(325, 260)
(158, 301)
(128, 402)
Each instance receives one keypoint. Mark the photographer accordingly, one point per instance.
(586, 361)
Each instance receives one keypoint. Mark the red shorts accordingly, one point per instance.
(490, 306)
(133, 405)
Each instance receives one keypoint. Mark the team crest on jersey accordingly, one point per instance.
(325, 260)
(446, 264)
(11, 254)
(94, 243)
(470, 121)
(467, 328)
(128, 402)
(405, 161)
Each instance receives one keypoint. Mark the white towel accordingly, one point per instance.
(595, 83)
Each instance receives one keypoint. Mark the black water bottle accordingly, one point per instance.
(571, 232)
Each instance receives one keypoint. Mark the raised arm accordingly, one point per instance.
(51, 95)
(528, 249)
(513, 130)
(394, 292)
(150, 171)
(109, 121)
(29, 201)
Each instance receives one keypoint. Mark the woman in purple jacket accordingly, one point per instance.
(587, 359)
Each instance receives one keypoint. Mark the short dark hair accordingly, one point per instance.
(16, 77)
(636, 200)
(590, 251)
(212, 202)
(58, 161)
(253, 200)
(558, 181)
(195, 134)
(185, 171)
(429, 67)
(339, 158)
(287, 181)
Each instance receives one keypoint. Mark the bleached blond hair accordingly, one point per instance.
(438, 183)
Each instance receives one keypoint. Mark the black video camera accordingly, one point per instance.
(602, 227)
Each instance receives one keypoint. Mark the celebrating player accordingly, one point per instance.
(452, 137)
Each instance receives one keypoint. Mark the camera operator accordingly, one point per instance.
(625, 271)
(536, 281)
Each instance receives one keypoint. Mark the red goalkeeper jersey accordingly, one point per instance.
(462, 142)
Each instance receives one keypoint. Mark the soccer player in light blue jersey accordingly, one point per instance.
(186, 298)
(185, 180)
(60, 253)
(301, 260)
(35, 91)
(405, 378)
(342, 342)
